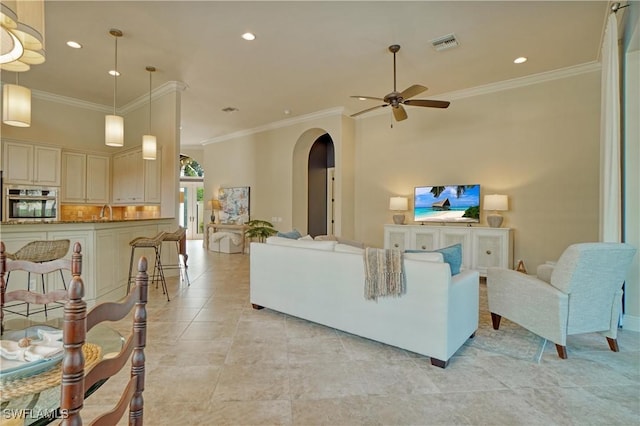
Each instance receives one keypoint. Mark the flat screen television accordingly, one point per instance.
(448, 203)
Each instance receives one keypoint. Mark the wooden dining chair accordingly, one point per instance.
(75, 380)
(10, 300)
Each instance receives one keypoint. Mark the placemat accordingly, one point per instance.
(37, 383)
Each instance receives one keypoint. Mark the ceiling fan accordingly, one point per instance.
(396, 99)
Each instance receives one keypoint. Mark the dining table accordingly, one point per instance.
(30, 392)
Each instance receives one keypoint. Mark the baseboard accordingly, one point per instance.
(631, 322)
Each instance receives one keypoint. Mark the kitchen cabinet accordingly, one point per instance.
(136, 181)
(482, 247)
(85, 178)
(29, 164)
(128, 176)
(105, 249)
(152, 179)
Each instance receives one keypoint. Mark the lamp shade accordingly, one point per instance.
(496, 202)
(215, 205)
(16, 105)
(149, 147)
(113, 130)
(399, 203)
(22, 33)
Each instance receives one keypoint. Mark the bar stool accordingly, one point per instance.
(39, 252)
(178, 237)
(158, 273)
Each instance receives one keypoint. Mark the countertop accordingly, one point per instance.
(57, 222)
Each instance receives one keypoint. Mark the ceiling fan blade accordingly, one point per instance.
(399, 113)
(367, 97)
(412, 91)
(368, 109)
(427, 103)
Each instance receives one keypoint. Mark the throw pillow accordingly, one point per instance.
(452, 255)
(294, 235)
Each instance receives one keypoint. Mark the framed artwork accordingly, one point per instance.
(235, 205)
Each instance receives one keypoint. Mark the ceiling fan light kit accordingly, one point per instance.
(397, 99)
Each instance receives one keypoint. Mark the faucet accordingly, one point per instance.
(110, 212)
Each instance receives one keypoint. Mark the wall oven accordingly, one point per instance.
(29, 203)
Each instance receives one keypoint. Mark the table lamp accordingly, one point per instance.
(398, 204)
(495, 203)
(215, 205)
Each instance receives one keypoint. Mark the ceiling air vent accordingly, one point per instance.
(445, 42)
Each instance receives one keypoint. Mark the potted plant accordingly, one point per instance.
(260, 230)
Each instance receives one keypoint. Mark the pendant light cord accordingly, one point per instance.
(115, 77)
(151, 71)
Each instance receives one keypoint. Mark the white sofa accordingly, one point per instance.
(323, 282)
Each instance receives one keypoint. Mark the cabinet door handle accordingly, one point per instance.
(488, 251)
(396, 245)
(424, 247)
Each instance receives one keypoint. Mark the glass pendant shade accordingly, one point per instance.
(16, 105)
(113, 130)
(149, 143)
(148, 147)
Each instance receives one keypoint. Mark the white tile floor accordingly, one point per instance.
(213, 360)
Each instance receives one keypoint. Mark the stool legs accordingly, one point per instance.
(181, 265)
(158, 273)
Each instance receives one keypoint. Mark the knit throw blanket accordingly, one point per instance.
(383, 273)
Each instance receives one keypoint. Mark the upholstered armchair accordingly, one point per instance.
(583, 294)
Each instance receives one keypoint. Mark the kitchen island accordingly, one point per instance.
(105, 251)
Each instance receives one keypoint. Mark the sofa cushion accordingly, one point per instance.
(325, 238)
(346, 248)
(311, 244)
(294, 234)
(452, 255)
(425, 256)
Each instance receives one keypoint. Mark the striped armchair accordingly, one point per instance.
(583, 294)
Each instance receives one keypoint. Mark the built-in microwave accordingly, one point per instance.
(30, 203)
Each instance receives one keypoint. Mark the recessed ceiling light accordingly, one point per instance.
(520, 60)
(74, 44)
(114, 73)
(287, 111)
(249, 36)
(362, 99)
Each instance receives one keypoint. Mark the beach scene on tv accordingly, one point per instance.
(452, 203)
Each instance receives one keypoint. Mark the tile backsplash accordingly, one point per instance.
(81, 212)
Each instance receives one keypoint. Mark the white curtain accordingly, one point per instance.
(610, 187)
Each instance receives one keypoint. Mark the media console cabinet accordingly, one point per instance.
(482, 247)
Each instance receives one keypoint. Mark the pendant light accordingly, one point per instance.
(16, 105)
(114, 124)
(149, 141)
(21, 34)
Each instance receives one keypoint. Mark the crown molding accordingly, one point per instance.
(73, 102)
(142, 100)
(524, 81)
(337, 111)
(166, 88)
